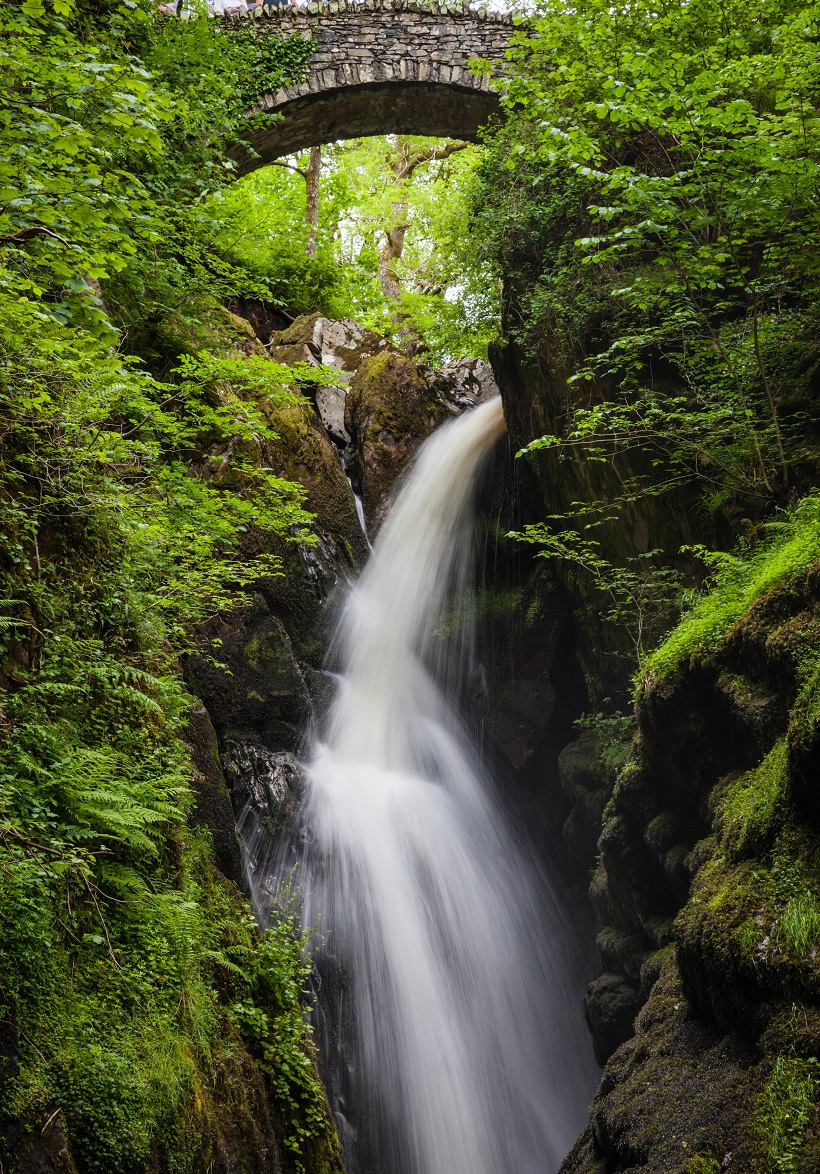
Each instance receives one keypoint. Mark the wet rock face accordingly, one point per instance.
(266, 786)
(519, 634)
(262, 690)
(698, 872)
(266, 782)
(393, 405)
(538, 396)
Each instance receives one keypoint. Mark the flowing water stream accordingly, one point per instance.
(459, 1015)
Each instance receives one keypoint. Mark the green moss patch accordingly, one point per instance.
(794, 546)
(784, 1110)
(755, 801)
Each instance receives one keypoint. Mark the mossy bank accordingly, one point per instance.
(708, 886)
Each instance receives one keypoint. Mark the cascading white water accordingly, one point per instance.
(468, 1052)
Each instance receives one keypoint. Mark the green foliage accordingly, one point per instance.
(131, 508)
(614, 732)
(754, 801)
(104, 150)
(783, 884)
(785, 1109)
(639, 595)
(220, 73)
(799, 928)
(447, 294)
(650, 204)
(135, 1013)
(276, 1035)
(72, 117)
(261, 222)
(794, 544)
(691, 140)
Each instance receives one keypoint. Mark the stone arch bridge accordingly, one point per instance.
(380, 67)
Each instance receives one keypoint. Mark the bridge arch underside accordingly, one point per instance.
(373, 108)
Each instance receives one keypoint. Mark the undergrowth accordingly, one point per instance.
(134, 984)
(754, 800)
(785, 1109)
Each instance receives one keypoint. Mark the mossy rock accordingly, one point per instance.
(257, 690)
(610, 1006)
(391, 408)
(804, 751)
(723, 798)
(583, 765)
(212, 807)
(673, 1092)
(304, 453)
(342, 343)
(217, 330)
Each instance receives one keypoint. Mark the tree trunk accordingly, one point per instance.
(312, 199)
(390, 253)
(403, 166)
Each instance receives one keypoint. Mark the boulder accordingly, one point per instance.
(392, 406)
(213, 804)
(257, 689)
(610, 1006)
(468, 382)
(340, 344)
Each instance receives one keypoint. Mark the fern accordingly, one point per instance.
(103, 793)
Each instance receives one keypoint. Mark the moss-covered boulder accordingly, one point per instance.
(341, 345)
(392, 406)
(216, 330)
(303, 452)
(674, 1099)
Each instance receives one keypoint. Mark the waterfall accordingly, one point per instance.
(459, 1011)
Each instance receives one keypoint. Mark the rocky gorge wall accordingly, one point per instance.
(706, 890)
(693, 828)
(359, 433)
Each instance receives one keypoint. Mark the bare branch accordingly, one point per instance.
(408, 165)
(290, 167)
(27, 233)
